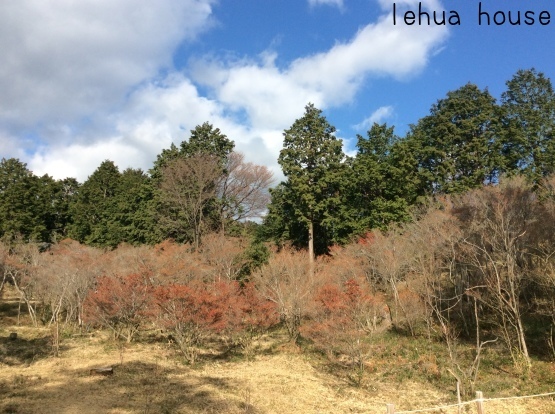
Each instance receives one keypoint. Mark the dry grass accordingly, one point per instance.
(151, 378)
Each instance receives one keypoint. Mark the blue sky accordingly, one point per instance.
(84, 81)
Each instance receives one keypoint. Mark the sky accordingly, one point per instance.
(82, 81)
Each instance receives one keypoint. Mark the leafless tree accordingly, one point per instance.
(20, 269)
(287, 282)
(497, 224)
(64, 277)
(243, 189)
(188, 185)
(223, 255)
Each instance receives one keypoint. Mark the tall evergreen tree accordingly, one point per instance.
(181, 165)
(529, 125)
(26, 203)
(207, 140)
(95, 211)
(378, 183)
(456, 144)
(65, 194)
(312, 161)
(133, 196)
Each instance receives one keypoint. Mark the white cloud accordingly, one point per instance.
(337, 3)
(272, 96)
(378, 116)
(87, 76)
(65, 60)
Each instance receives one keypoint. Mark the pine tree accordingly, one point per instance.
(456, 144)
(95, 211)
(312, 161)
(378, 180)
(528, 144)
(26, 203)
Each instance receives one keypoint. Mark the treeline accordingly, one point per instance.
(468, 140)
(446, 233)
(200, 187)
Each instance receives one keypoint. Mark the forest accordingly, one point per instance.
(445, 235)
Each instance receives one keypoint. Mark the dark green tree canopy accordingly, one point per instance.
(528, 125)
(456, 143)
(207, 140)
(206, 147)
(204, 140)
(379, 182)
(312, 161)
(95, 212)
(27, 203)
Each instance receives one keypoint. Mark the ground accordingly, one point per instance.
(151, 377)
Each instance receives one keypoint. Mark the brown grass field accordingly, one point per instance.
(150, 377)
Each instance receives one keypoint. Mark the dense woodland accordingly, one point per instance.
(447, 233)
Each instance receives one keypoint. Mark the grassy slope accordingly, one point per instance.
(150, 378)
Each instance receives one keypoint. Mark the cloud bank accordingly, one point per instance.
(92, 80)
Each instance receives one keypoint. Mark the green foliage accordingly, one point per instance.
(186, 224)
(379, 193)
(134, 195)
(28, 205)
(205, 139)
(255, 255)
(95, 211)
(312, 161)
(528, 107)
(456, 143)
(111, 207)
(65, 193)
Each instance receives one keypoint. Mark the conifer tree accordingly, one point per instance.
(379, 182)
(311, 160)
(456, 144)
(95, 211)
(26, 203)
(528, 141)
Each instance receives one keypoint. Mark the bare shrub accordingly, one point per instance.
(223, 255)
(64, 276)
(287, 281)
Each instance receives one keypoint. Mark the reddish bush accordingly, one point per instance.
(344, 315)
(193, 311)
(256, 315)
(119, 303)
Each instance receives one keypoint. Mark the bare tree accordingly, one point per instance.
(64, 277)
(497, 223)
(20, 269)
(287, 281)
(223, 255)
(388, 260)
(188, 186)
(243, 189)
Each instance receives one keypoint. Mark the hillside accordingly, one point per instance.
(150, 377)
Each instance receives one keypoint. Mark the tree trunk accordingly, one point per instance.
(311, 247)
